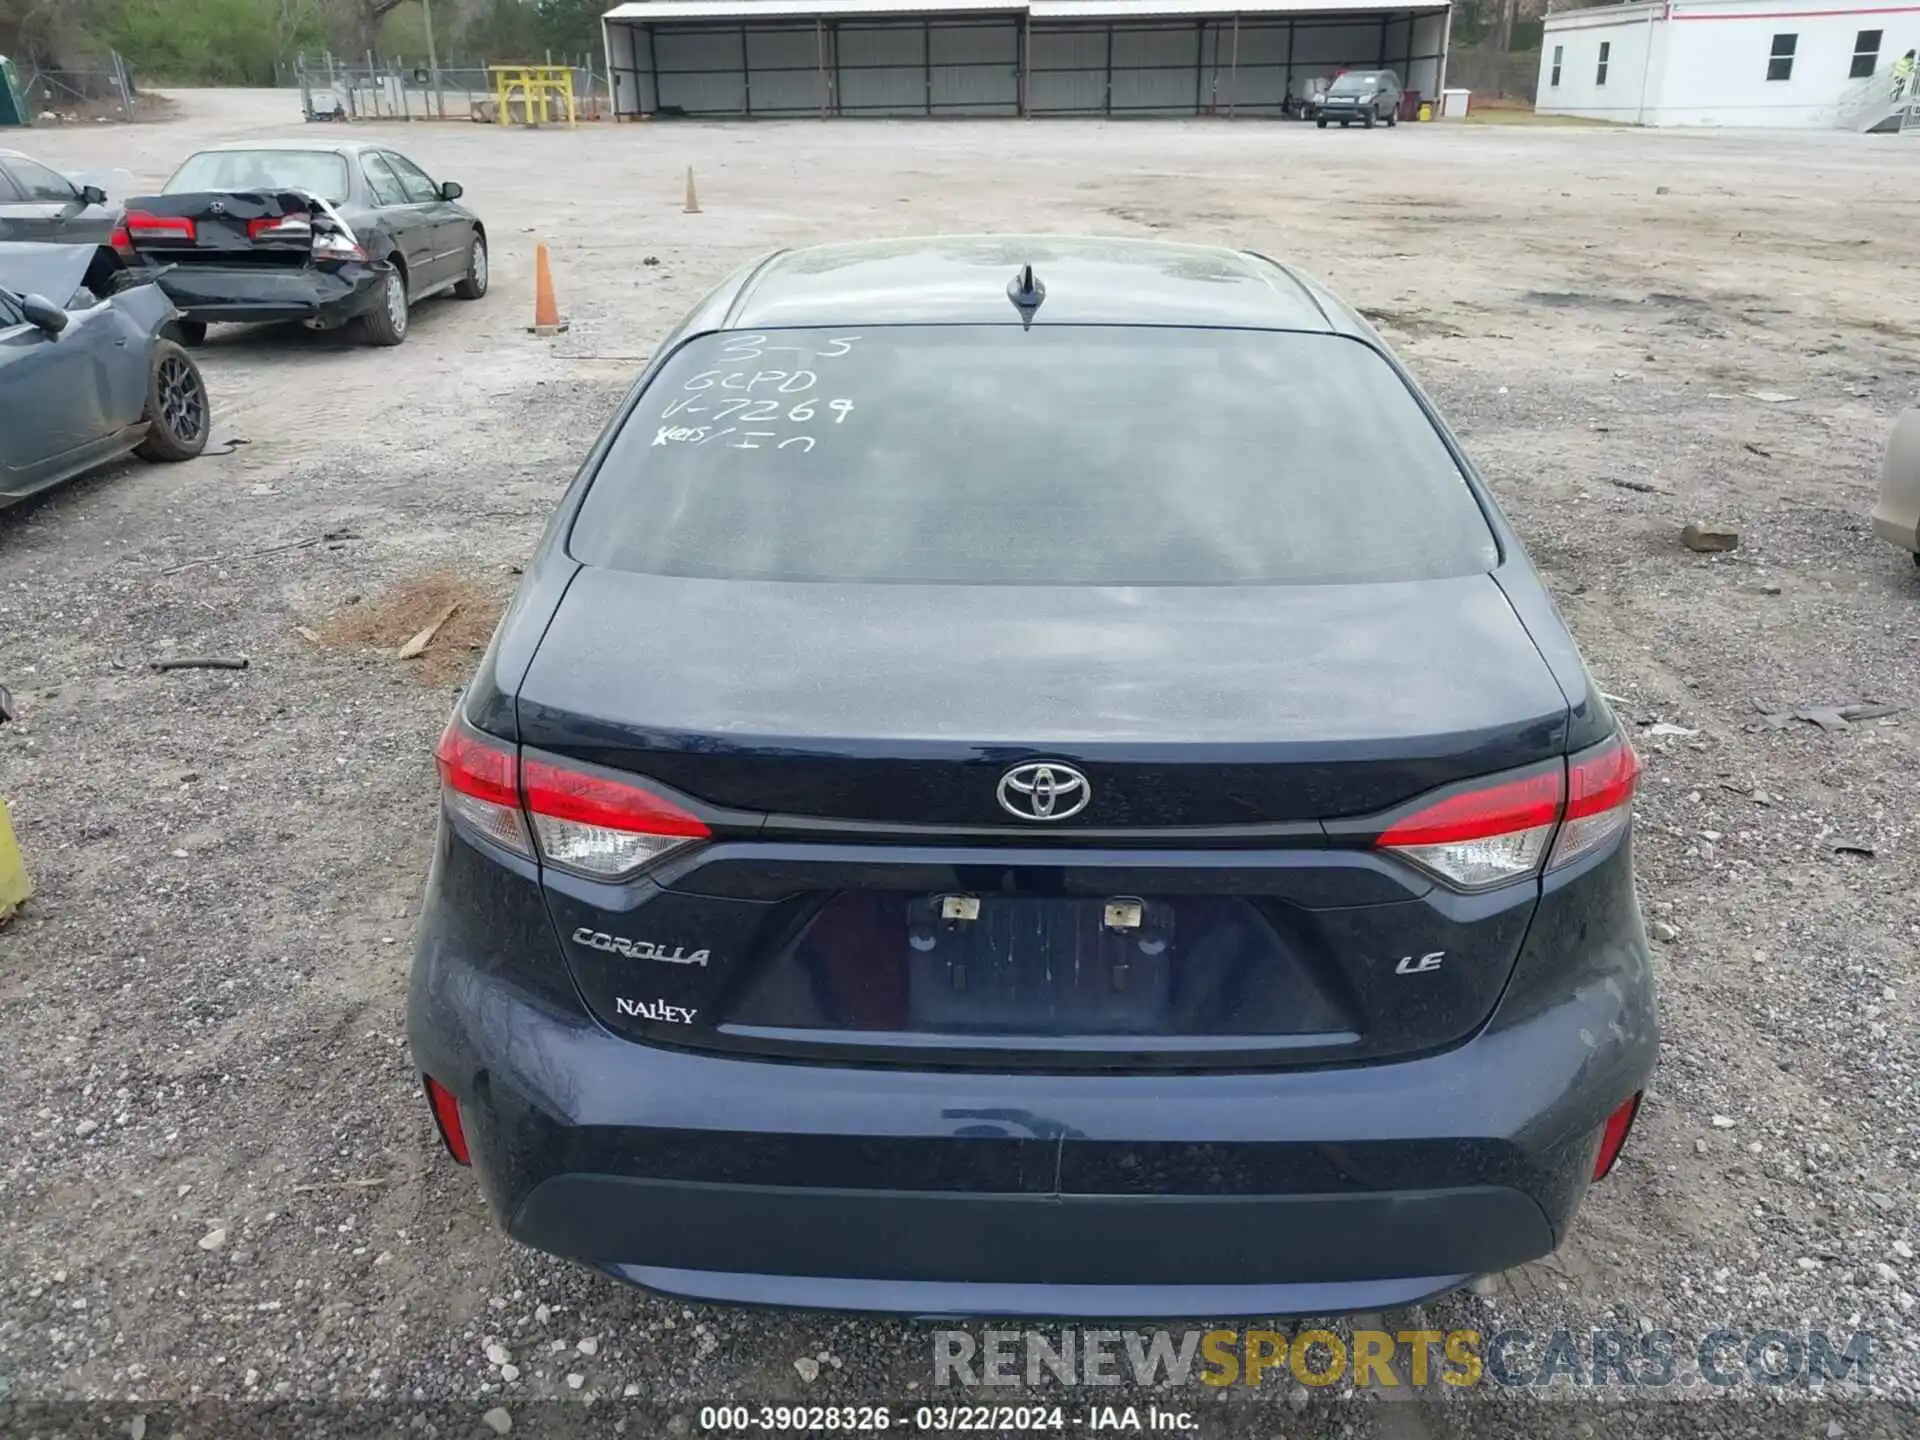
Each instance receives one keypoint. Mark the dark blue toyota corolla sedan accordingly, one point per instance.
(1030, 776)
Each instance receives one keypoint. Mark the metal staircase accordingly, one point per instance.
(1869, 106)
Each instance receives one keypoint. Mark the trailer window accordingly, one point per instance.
(1780, 62)
(1866, 55)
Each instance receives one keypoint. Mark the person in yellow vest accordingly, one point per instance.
(1902, 74)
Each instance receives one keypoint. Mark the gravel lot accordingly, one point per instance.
(217, 1179)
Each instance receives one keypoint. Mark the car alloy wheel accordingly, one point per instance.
(183, 400)
(472, 285)
(397, 303)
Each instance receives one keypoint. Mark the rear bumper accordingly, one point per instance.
(932, 1252)
(260, 294)
(1121, 1301)
(949, 1192)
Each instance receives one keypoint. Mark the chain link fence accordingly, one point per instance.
(103, 91)
(375, 88)
(1508, 74)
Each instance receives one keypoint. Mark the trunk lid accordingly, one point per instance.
(901, 705)
(227, 227)
(865, 896)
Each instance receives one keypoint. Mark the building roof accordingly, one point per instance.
(964, 280)
(1659, 10)
(651, 11)
(1150, 9)
(647, 11)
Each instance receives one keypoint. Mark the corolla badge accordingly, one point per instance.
(638, 949)
(1044, 790)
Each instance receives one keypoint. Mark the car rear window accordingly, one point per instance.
(318, 172)
(1061, 455)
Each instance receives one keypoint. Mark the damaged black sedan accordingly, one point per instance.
(324, 234)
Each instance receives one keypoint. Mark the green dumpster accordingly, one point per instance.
(14, 109)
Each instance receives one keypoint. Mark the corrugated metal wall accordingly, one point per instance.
(972, 65)
(786, 71)
(701, 71)
(1067, 70)
(976, 69)
(882, 69)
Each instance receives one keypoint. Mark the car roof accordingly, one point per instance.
(321, 147)
(1088, 280)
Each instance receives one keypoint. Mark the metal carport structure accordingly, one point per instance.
(733, 59)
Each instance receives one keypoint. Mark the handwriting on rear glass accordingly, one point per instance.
(759, 406)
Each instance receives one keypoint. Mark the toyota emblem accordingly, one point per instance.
(1044, 790)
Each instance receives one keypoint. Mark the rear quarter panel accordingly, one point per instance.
(490, 702)
(140, 312)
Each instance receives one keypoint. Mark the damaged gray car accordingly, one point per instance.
(90, 369)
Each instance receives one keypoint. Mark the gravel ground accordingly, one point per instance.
(217, 1181)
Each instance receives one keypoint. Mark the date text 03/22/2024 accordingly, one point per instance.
(943, 1419)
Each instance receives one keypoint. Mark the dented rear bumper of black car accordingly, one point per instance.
(263, 294)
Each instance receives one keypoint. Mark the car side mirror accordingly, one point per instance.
(452, 190)
(43, 313)
(92, 195)
(1896, 519)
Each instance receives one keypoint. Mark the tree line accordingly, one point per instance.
(239, 42)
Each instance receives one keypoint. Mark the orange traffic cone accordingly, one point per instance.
(546, 310)
(693, 200)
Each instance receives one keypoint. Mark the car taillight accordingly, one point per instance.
(446, 1116)
(279, 227)
(601, 827)
(1600, 786)
(586, 823)
(1489, 834)
(121, 243)
(1478, 838)
(1613, 1137)
(139, 222)
(328, 245)
(479, 781)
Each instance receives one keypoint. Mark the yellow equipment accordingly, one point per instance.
(537, 86)
(15, 887)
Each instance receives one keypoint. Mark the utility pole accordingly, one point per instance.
(433, 62)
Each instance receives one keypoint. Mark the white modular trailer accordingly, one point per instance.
(729, 59)
(1766, 63)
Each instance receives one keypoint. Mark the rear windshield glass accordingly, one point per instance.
(314, 171)
(1064, 455)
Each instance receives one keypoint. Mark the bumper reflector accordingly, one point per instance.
(446, 1114)
(1613, 1138)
